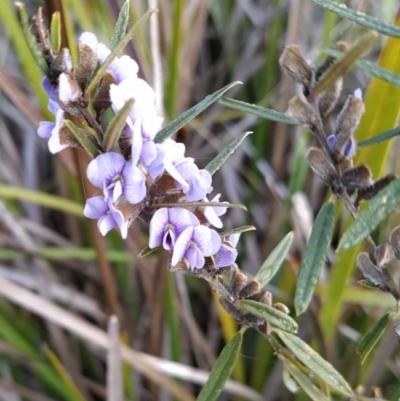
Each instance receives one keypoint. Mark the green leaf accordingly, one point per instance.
(222, 369)
(116, 126)
(220, 159)
(188, 115)
(315, 362)
(369, 218)
(344, 64)
(385, 136)
(371, 68)
(314, 256)
(259, 111)
(270, 314)
(117, 50)
(274, 260)
(237, 230)
(359, 18)
(120, 26)
(146, 251)
(55, 31)
(82, 138)
(369, 341)
(30, 38)
(304, 382)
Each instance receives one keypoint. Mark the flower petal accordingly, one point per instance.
(95, 207)
(45, 128)
(181, 245)
(104, 168)
(134, 184)
(157, 227)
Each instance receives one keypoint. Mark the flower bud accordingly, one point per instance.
(238, 281)
(87, 63)
(322, 167)
(282, 308)
(41, 34)
(250, 289)
(357, 177)
(266, 298)
(294, 65)
(383, 255)
(300, 111)
(327, 100)
(62, 62)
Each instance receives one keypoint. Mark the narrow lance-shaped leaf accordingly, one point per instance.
(200, 204)
(30, 38)
(259, 111)
(274, 260)
(371, 68)
(188, 115)
(359, 18)
(314, 256)
(116, 126)
(316, 363)
(237, 230)
(385, 136)
(222, 369)
(343, 65)
(146, 251)
(82, 138)
(304, 381)
(55, 31)
(220, 159)
(369, 341)
(120, 26)
(270, 314)
(117, 50)
(378, 208)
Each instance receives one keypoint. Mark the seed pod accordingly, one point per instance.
(87, 63)
(322, 167)
(369, 192)
(238, 281)
(394, 239)
(300, 111)
(294, 65)
(250, 289)
(266, 298)
(41, 34)
(357, 177)
(62, 62)
(327, 100)
(371, 272)
(383, 255)
(282, 308)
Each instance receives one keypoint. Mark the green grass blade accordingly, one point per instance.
(369, 218)
(371, 68)
(270, 314)
(316, 363)
(41, 198)
(220, 159)
(121, 25)
(359, 18)
(274, 260)
(304, 382)
(116, 126)
(188, 115)
(369, 341)
(258, 111)
(314, 256)
(222, 369)
(385, 136)
(55, 31)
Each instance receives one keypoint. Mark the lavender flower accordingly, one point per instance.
(167, 225)
(194, 244)
(227, 253)
(117, 177)
(212, 213)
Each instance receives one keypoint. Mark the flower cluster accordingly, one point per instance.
(153, 181)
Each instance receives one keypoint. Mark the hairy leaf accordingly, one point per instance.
(120, 26)
(82, 138)
(55, 31)
(188, 115)
(369, 218)
(385, 136)
(314, 256)
(270, 314)
(369, 341)
(222, 369)
(359, 18)
(220, 159)
(272, 264)
(316, 363)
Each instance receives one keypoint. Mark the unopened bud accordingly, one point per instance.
(41, 34)
(357, 177)
(294, 65)
(68, 89)
(327, 100)
(383, 255)
(266, 298)
(87, 63)
(62, 62)
(342, 46)
(370, 271)
(282, 308)
(249, 290)
(322, 167)
(238, 281)
(394, 239)
(300, 111)
(265, 328)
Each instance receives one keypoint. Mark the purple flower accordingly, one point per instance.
(194, 244)
(49, 89)
(349, 150)
(109, 217)
(227, 254)
(111, 172)
(167, 224)
(212, 213)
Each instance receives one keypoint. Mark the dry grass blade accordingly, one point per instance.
(114, 365)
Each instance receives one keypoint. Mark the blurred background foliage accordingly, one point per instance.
(47, 247)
